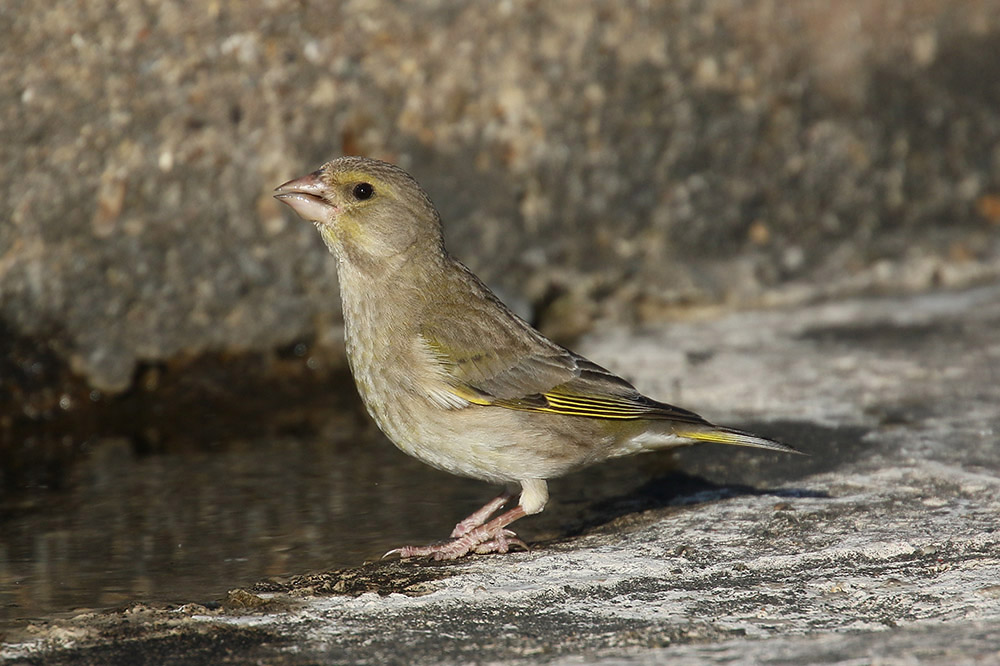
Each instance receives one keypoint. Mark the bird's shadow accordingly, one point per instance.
(706, 474)
(674, 489)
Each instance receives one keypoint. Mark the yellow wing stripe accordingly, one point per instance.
(567, 405)
(580, 406)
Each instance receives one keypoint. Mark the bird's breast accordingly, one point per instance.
(378, 333)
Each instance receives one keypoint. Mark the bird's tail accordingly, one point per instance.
(720, 435)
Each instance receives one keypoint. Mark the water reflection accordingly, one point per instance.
(188, 526)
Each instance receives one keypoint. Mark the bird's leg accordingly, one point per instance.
(491, 537)
(480, 515)
(475, 535)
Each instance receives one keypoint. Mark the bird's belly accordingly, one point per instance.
(449, 441)
(489, 443)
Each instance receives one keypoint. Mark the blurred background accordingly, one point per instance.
(175, 414)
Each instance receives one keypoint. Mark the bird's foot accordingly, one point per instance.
(456, 548)
(501, 544)
(493, 537)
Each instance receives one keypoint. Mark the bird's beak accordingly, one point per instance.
(305, 196)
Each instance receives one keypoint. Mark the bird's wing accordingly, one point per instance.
(486, 365)
(509, 364)
(597, 393)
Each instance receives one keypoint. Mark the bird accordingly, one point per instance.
(456, 379)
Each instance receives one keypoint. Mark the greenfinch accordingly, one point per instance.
(452, 376)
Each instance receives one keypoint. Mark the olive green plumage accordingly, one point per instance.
(450, 374)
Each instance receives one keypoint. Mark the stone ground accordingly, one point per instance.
(882, 546)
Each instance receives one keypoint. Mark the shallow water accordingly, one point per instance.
(192, 517)
(189, 525)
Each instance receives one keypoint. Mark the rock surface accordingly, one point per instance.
(594, 160)
(883, 545)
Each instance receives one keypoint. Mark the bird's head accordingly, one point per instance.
(366, 210)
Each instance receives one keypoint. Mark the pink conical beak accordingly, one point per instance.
(305, 195)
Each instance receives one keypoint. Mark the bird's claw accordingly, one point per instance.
(405, 552)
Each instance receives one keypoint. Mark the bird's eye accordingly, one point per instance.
(363, 191)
